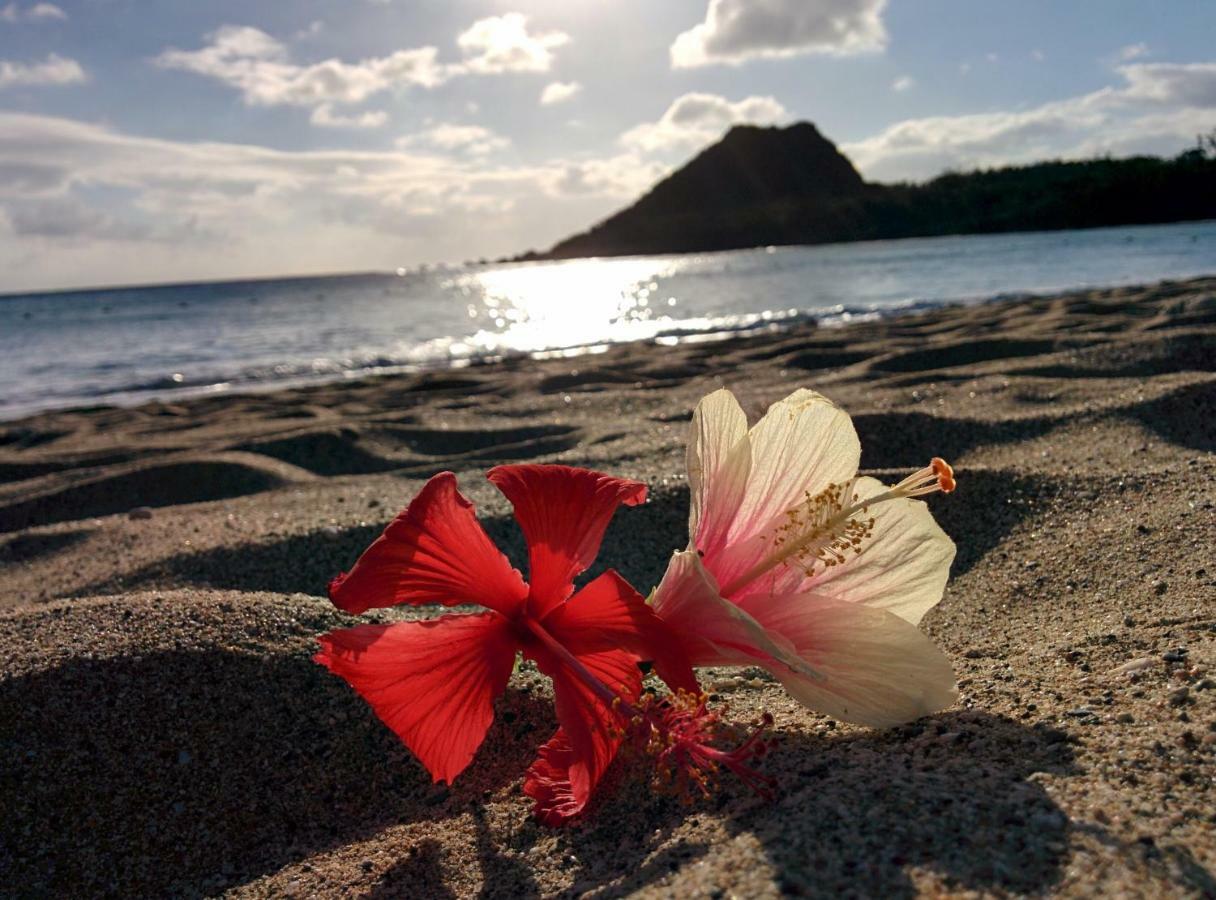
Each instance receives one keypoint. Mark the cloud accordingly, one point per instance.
(325, 116)
(1192, 84)
(259, 66)
(38, 12)
(625, 175)
(695, 119)
(735, 31)
(1133, 51)
(503, 44)
(314, 28)
(69, 219)
(473, 140)
(82, 203)
(559, 92)
(54, 69)
(903, 83)
(1158, 108)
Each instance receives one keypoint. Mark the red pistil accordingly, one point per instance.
(680, 732)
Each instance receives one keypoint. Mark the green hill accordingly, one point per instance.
(762, 186)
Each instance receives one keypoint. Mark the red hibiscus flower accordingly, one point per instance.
(434, 682)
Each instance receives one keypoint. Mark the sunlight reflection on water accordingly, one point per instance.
(532, 308)
(131, 344)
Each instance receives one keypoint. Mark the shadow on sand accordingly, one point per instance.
(183, 773)
(188, 772)
(951, 794)
(638, 544)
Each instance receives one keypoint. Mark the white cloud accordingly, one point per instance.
(200, 210)
(503, 44)
(259, 66)
(68, 219)
(314, 28)
(53, 70)
(735, 31)
(903, 83)
(1192, 84)
(1133, 51)
(626, 175)
(1158, 109)
(559, 92)
(473, 140)
(325, 116)
(696, 119)
(38, 12)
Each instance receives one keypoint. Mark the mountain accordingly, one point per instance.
(761, 186)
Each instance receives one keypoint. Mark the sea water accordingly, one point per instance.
(127, 345)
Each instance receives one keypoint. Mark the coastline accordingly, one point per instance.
(164, 568)
(169, 343)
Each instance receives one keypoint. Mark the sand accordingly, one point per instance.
(164, 733)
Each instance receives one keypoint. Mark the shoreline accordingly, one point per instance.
(783, 322)
(422, 267)
(165, 565)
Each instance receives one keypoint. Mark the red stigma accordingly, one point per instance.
(945, 474)
(682, 734)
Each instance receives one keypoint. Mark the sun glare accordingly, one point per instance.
(571, 304)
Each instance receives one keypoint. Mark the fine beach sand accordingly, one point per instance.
(164, 732)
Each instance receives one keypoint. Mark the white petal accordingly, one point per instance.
(719, 458)
(876, 669)
(803, 444)
(715, 632)
(903, 565)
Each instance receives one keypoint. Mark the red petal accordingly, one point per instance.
(434, 552)
(589, 724)
(548, 782)
(609, 614)
(563, 513)
(433, 682)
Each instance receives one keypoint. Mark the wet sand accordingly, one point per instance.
(163, 569)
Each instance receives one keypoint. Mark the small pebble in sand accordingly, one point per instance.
(1135, 665)
(1180, 696)
(140, 512)
(1178, 654)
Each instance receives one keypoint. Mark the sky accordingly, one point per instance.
(147, 142)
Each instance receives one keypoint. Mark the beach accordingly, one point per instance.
(165, 731)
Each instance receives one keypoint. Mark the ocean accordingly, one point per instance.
(129, 345)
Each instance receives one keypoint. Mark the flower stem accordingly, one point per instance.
(609, 697)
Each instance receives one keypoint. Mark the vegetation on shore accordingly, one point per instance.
(774, 186)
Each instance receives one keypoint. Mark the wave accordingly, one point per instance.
(435, 354)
